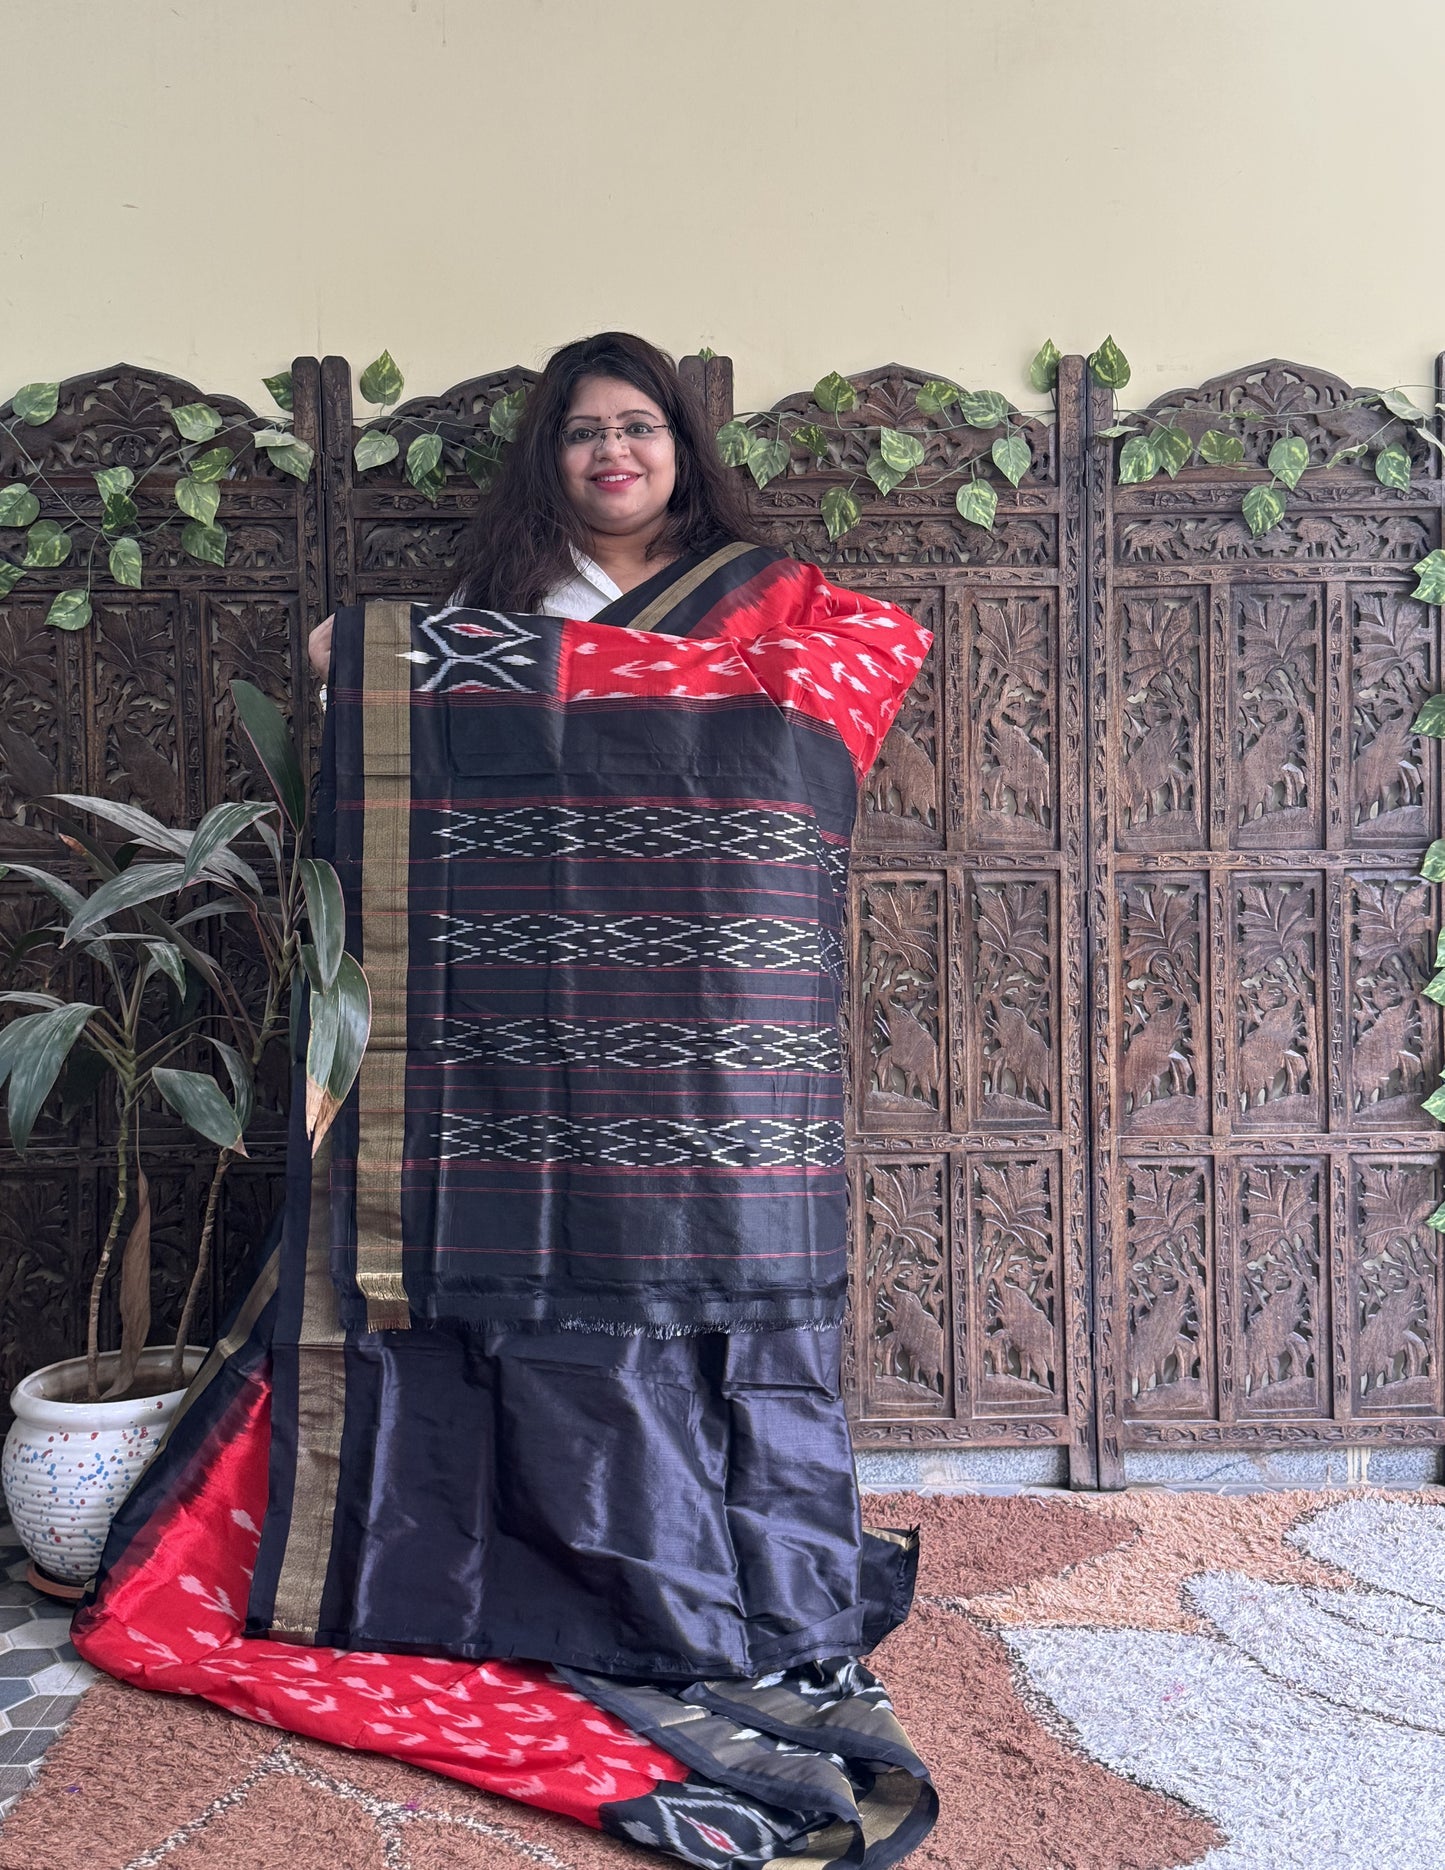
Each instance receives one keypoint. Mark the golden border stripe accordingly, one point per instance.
(660, 607)
(385, 846)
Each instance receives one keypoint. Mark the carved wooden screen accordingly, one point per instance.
(137, 707)
(1264, 1274)
(966, 1118)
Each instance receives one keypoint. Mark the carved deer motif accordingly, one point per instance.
(911, 1052)
(1400, 1328)
(1024, 1053)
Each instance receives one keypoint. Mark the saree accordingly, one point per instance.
(525, 1457)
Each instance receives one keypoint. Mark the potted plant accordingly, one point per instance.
(86, 1427)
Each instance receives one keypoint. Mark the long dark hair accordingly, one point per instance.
(518, 547)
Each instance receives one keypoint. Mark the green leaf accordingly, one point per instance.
(200, 1104)
(1435, 1105)
(481, 462)
(705, 353)
(424, 467)
(883, 477)
(70, 611)
(119, 512)
(66, 894)
(268, 733)
(111, 482)
(197, 499)
(1173, 447)
(1431, 441)
(506, 413)
(1431, 718)
(46, 544)
(983, 409)
(197, 422)
(381, 382)
(1392, 467)
(1116, 429)
(374, 448)
(1263, 509)
(834, 394)
(280, 388)
(978, 503)
(293, 456)
(1399, 404)
(212, 464)
(1437, 1219)
(242, 1091)
(1108, 365)
(1432, 864)
(207, 544)
(840, 511)
(326, 913)
(1288, 459)
(125, 563)
(36, 403)
(340, 1024)
(1138, 461)
(18, 506)
(1434, 989)
(901, 451)
(213, 837)
(814, 439)
(1430, 570)
(138, 883)
(766, 460)
(1012, 456)
(1044, 368)
(34, 1060)
(166, 958)
(10, 576)
(1348, 454)
(1221, 449)
(934, 396)
(734, 439)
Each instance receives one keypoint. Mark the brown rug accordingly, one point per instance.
(140, 1781)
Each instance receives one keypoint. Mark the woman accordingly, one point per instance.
(552, 1373)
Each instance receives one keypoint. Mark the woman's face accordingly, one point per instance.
(619, 483)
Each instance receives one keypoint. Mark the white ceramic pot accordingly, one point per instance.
(68, 1464)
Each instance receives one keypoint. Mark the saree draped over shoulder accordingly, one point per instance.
(541, 1381)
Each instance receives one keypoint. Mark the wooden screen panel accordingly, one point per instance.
(1262, 1166)
(137, 707)
(963, 1024)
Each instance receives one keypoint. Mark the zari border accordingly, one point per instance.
(385, 847)
(683, 588)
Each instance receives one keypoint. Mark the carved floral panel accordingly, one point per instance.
(1168, 1298)
(249, 637)
(1274, 735)
(1162, 1034)
(899, 1010)
(905, 1295)
(1283, 1330)
(1393, 1031)
(1160, 654)
(32, 760)
(1008, 642)
(1391, 672)
(1012, 1042)
(1013, 1221)
(900, 802)
(136, 721)
(1395, 1288)
(1276, 1002)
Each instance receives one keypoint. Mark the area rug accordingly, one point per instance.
(1129, 1682)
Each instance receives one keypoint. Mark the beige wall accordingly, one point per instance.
(211, 186)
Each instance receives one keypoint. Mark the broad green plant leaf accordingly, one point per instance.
(766, 460)
(1435, 1105)
(1173, 447)
(46, 544)
(1431, 718)
(1288, 459)
(242, 1090)
(424, 468)
(840, 511)
(138, 883)
(934, 396)
(32, 1062)
(1138, 461)
(340, 1024)
(212, 838)
(69, 611)
(1348, 454)
(506, 413)
(883, 477)
(481, 462)
(901, 451)
(125, 563)
(326, 913)
(268, 733)
(10, 576)
(1221, 449)
(201, 1104)
(212, 464)
(1108, 365)
(983, 409)
(36, 403)
(1044, 366)
(1432, 864)
(18, 506)
(197, 422)
(814, 439)
(1437, 1219)
(167, 959)
(293, 457)
(118, 513)
(381, 381)
(1116, 429)
(834, 394)
(1263, 509)
(1399, 404)
(1430, 571)
(280, 388)
(978, 503)
(1434, 988)
(374, 448)
(197, 499)
(1392, 467)
(206, 544)
(734, 439)
(111, 482)
(1012, 457)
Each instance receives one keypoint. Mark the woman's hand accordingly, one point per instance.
(318, 646)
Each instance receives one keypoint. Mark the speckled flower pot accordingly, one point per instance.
(68, 1464)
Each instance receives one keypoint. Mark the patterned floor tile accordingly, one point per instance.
(41, 1677)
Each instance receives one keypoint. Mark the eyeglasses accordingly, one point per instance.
(643, 432)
